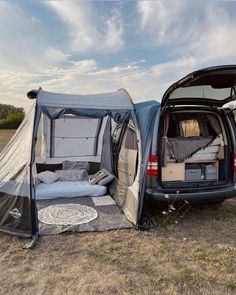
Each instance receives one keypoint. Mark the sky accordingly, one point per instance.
(100, 46)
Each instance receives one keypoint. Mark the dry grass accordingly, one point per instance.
(197, 255)
(5, 135)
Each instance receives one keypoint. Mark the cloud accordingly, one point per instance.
(23, 44)
(28, 58)
(114, 32)
(16, 44)
(86, 30)
(85, 66)
(186, 36)
(203, 30)
(86, 76)
(217, 41)
(168, 21)
(174, 69)
(55, 56)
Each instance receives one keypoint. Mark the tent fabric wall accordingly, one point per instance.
(105, 101)
(17, 161)
(148, 114)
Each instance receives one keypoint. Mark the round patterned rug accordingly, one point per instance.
(67, 214)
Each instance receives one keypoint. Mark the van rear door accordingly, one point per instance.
(213, 86)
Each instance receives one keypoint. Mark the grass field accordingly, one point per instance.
(192, 252)
(5, 135)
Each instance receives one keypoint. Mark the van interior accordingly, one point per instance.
(194, 148)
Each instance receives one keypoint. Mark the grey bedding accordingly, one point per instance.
(182, 148)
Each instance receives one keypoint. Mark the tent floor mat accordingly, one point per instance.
(109, 217)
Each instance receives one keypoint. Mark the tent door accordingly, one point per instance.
(127, 158)
(126, 189)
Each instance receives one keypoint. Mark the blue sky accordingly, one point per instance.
(98, 46)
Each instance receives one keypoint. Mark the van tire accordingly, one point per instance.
(145, 223)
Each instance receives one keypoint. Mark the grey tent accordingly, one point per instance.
(62, 127)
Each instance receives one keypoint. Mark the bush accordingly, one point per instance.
(10, 116)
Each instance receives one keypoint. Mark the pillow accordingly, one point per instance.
(69, 165)
(48, 176)
(71, 175)
(102, 177)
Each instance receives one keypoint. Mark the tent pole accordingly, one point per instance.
(95, 148)
(34, 216)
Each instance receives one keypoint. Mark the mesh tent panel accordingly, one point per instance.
(15, 177)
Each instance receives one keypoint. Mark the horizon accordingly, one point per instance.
(101, 46)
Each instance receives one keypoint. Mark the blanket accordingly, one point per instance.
(182, 148)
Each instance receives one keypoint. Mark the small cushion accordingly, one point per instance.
(69, 165)
(72, 175)
(102, 177)
(48, 176)
(106, 179)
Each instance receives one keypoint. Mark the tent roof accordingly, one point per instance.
(120, 100)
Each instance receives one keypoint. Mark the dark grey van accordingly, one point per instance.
(193, 153)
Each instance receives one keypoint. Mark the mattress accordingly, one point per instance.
(68, 189)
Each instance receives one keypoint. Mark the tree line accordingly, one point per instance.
(10, 116)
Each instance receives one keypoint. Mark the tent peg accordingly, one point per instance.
(32, 243)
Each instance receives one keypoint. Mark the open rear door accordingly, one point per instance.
(214, 86)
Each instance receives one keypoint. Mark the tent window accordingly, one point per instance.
(74, 136)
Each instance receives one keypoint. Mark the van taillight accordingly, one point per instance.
(234, 162)
(152, 167)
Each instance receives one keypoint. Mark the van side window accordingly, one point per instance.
(131, 140)
(189, 128)
(116, 134)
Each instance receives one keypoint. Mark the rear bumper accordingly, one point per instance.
(212, 195)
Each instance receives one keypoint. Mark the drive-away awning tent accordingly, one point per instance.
(42, 138)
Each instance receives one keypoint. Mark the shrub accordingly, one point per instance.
(10, 116)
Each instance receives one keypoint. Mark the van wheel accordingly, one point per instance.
(219, 202)
(145, 223)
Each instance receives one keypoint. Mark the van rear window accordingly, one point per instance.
(206, 92)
